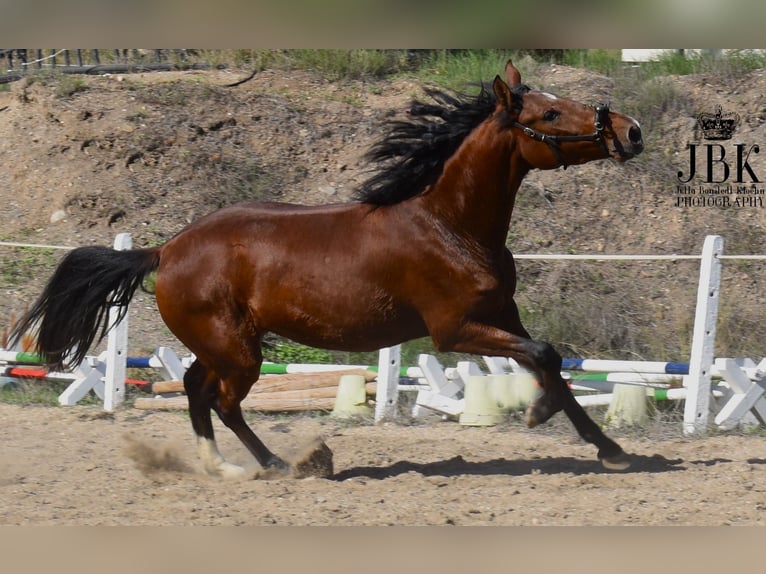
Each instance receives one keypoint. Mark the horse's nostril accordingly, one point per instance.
(634, 135)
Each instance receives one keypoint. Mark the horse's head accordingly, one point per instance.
(552, 131)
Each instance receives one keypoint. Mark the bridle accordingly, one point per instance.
(600, 121)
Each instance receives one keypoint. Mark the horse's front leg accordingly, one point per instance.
(543, 360)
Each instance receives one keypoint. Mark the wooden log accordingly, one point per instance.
(299, 381)
(318, 393)
(322, 398)
(254, 403)
(271, 383)
(164, 387)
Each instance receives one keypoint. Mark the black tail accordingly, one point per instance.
(74, 307)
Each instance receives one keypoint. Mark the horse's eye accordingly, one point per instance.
(550, 115)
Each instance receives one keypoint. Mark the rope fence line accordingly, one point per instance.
(35, 245)
(595, 257)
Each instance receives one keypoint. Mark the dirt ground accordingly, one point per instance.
(82, 466)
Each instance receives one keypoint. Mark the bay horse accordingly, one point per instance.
(420, 251)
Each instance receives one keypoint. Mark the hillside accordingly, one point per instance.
(85, 158)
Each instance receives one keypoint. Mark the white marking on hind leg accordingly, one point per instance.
(213, 461)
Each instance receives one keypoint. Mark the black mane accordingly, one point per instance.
(412, 153)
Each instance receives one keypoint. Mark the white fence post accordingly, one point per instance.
(387, 394)
(697, 382)
(117, 345)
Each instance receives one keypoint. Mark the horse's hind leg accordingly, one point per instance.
(206, 390)
(233, 388)
(201, 386)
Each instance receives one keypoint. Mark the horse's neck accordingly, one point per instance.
(476, 193)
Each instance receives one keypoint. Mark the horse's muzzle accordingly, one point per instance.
(627, 144)
(635, 139)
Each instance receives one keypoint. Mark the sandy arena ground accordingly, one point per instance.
(82, 466)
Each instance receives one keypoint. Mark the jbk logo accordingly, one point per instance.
(720, 162)
(719, 165)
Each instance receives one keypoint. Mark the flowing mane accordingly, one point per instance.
(410, 156)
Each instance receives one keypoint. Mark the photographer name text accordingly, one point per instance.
(730, 195)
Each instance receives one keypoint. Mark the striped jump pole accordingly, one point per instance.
(606, 381)
(676, 394)
(606, 365)
(20, 357)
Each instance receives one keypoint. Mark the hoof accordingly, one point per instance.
(620, 461)
(538, 413)
(532, 421)
(229, 471)
(274, 469)
(213, 463)
(277, 463)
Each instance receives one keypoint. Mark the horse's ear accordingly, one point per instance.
(512, 74)
(503, 94)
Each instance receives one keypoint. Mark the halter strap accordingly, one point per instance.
(600, 120)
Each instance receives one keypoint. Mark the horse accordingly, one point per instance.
(419, 250)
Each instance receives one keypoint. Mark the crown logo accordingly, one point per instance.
(718, 126)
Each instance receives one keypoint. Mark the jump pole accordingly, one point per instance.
(20, 357)
(674, 394)
(608, 366)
